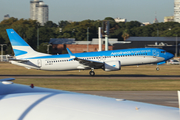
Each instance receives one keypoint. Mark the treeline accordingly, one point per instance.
(28, 30)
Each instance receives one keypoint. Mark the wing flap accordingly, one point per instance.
(93, 64)
(89, 63)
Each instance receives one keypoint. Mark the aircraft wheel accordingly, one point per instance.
(91, 73)
(157, 69)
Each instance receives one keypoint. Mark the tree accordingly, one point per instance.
(31, 37)
(109, 19)
(50, 24)
(125, 35)
(63, 24)
(10, 21)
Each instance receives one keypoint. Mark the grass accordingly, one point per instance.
(107, 82)
(71, 84)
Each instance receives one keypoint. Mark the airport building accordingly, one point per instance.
(170, 44)
(39, 11)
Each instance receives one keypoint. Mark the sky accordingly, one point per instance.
(79, 10)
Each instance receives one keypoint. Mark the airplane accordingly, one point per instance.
(107, 60)
(22, 102)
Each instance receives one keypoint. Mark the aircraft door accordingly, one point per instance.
(154, 53)
(39, 63)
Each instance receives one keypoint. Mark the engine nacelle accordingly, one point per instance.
(112, 65)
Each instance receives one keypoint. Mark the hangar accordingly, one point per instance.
(170, 44)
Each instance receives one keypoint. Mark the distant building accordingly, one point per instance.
(117, 20)
(6, 17)
(177, 11)
(169, 19)
(155, 21)
(39, 11)
(145, 23)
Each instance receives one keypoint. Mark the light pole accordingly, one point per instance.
(73, 30)
(176, 44)
(2, 51)
(48, 48)
(87, 37)
(38, 38)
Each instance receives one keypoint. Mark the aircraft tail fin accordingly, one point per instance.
(20, 47)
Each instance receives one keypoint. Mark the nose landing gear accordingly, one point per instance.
(157, 68)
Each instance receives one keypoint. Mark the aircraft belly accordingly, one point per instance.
(72, 65)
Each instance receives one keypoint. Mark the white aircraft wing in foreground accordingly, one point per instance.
(21, 102)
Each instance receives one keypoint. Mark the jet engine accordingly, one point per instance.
(112, 65)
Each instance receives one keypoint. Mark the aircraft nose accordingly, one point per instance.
(169, 56)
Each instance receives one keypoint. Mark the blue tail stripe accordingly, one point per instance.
(15, 39)
(19, 52)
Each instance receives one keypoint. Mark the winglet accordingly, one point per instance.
(70, 54)
(7, 79)
(179, 98)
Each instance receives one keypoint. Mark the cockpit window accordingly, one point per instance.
(163, 51)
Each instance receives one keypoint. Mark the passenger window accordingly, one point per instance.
(163, 51)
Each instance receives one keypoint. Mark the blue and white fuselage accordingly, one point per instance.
(106, 60)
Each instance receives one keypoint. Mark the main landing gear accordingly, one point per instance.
(92, 73)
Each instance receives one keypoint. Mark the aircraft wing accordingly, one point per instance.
(90, 63)
(93, 64)
(19, 102)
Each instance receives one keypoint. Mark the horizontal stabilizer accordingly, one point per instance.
(19, 60)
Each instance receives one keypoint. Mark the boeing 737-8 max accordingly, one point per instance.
(107, 60)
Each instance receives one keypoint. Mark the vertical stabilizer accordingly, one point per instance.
(20, 47)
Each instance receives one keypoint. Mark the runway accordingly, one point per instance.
(130, 76)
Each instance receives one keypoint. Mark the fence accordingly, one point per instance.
(4, 58)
